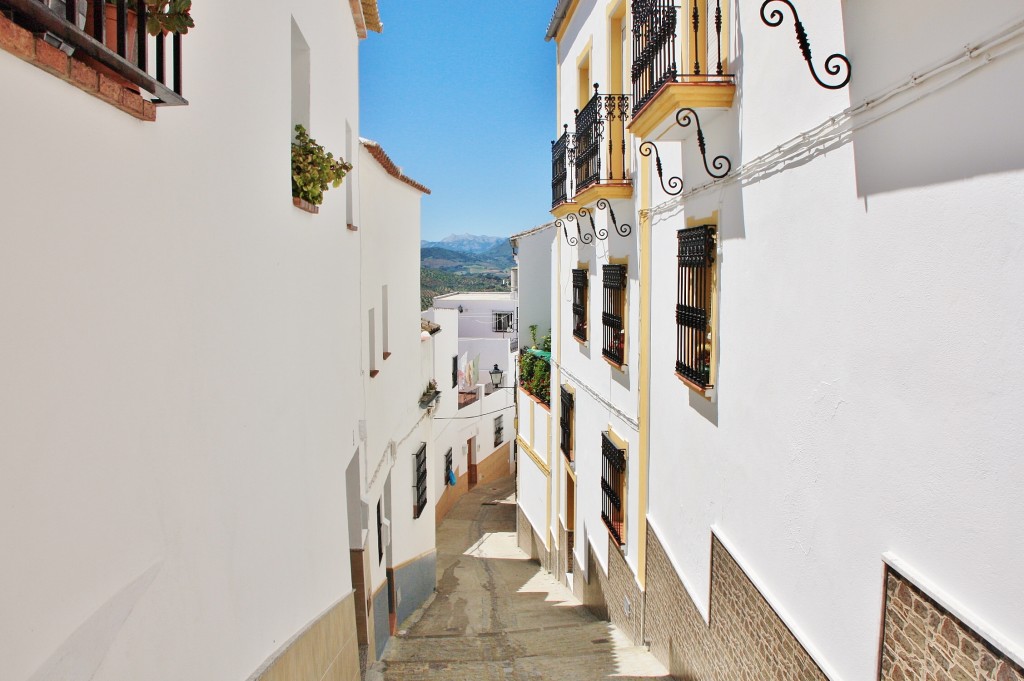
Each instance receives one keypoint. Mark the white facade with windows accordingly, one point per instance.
(185, 367)
(832, 424)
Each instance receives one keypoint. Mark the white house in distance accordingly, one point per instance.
(189, 420)
(474, 424)
(786, 340)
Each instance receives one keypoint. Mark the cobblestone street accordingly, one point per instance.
(498, 617)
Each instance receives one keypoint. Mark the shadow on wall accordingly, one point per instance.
(948, 128)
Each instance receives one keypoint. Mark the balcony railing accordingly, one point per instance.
(599, 148)
(655, 23)
(128, 53)
(560, 160)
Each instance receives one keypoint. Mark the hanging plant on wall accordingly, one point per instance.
(314, 170)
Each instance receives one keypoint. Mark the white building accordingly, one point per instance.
(794, 380)
(473, 424)
(484, 314)
(186, 365)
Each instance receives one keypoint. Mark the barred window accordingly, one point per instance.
(613, 318)
(420, 477)
(501, 322)
(455, 371)
(566, 422)
(613, 487)
(696, 257)
(380, 534)
(447, 466)
(579, 304)
(499, 430)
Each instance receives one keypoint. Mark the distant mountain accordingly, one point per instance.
(444, 268)
(466, 243)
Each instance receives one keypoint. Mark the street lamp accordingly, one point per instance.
(496, 375)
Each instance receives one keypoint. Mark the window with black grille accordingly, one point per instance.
(447, 466)
(579, 305)
(501, 322)
(380, 534)
(455, 371)
(696, 258)
(420, 478)
(499, 430)
(614, 312)
(568, 403)
(613, 487)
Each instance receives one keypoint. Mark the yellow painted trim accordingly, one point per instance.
(533, 456)
(645, 369)
(594, 192)
(585, 85)
(566, 20)
(673, 96)
(557, 347)
(563, 209)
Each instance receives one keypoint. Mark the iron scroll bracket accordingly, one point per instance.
(834, 65)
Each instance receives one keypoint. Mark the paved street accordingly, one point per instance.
(498, 617)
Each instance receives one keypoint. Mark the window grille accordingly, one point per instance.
(499, 430)
(579, 304)
(380, 538)
(420, 476)
(613, 486)
(696, 258)
(455, 371)
(501, 322)
(447, 466)
(566, 423)
(614, 312)
(513, 344)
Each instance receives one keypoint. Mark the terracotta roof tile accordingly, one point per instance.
(382, 158)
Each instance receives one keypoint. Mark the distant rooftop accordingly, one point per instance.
(531, 231)
(476, 295)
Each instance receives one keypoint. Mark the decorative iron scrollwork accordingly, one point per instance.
(675, 184)
(684, 117)
(622, 230)
(833, 65)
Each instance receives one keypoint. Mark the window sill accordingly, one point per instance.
(374, 372)
(706, 393)
(303, 204)
(581, 341)
(352, 228)
(615, 365)
(386, 355)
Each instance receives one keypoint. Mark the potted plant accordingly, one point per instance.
(314, 171)
(429, 395)
(162, 17)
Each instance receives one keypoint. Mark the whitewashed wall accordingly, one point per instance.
(475, 320)
(535, 283)
(870, 372)
(390, 253)
(179, 349)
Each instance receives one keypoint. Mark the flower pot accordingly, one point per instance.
(110, 30)
(110, 40)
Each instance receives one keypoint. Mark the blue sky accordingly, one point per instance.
(461, 94)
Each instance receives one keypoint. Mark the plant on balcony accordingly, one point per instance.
(430, 394)
(170, 16)
(314, 170)
(534, 371)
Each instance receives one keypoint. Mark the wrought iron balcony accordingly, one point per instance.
(561, 150)
(80, 28)
(599, 149)
(655, 25)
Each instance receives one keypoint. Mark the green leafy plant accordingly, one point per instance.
(172, 16)
(535, 372)
(314, 170)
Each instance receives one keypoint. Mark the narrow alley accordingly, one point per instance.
(497, 616)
